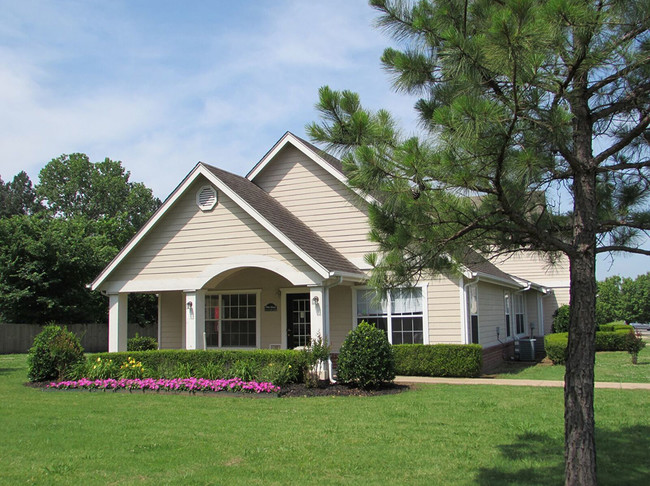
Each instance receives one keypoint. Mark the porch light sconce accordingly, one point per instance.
(189, 306)
(315, 300)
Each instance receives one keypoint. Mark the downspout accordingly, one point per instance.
(326, 294)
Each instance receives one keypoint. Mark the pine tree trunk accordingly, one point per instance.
(579, 426)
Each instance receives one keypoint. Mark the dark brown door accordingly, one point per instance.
(298, 320)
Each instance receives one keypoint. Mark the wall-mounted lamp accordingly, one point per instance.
(315, 300)
(498, 332)
(189, 306)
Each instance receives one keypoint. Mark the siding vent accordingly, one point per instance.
(206, 198)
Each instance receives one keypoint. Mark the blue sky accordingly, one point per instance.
(161, 85)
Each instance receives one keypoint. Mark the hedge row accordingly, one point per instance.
(460, 360)
(167, 359)
(556, 344)
(615, 326)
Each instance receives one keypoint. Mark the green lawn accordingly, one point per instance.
(435, 435)
(614, 366)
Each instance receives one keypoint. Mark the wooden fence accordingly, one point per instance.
(18, 338)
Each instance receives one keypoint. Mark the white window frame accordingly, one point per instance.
(389, 325)
(507, 312)
(473, 288)
(519, 309)
(258, 299)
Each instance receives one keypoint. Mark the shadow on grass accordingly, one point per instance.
(6, 371)
(622, 459)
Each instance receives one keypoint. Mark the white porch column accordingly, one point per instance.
(117, 322)
(194, 319)
(318, 313)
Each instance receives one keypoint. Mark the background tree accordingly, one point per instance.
(608, 301)
(539, 110)
(50, 251)
(18, 196)
(635, 301)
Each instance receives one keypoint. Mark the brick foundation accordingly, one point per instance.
(494, 356)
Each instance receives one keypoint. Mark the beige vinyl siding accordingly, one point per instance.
(532, 313)
(491, 314)
(321, 201)
(270, 283)
(557, 298)
(171, 320)
(341, 319)
(186, 240)
(444, 311)
(534, 267)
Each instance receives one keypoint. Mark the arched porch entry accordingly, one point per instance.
(243, 302)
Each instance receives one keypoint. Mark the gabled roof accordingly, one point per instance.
(293, 233)
(329, 163)
(287, 223)
(478, 266)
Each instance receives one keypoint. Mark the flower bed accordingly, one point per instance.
(176, 384)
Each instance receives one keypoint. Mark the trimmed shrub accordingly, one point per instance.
(556, 344)
(460, 360)
(634, 344)
(612, 340)
(167, 363)
(55, 352)
(561, 319)
(366, 358)
(615, 326)
(141, 343)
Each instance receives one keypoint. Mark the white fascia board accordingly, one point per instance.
(171, 199)
(296, 142)
(355, 277)
(317, 267)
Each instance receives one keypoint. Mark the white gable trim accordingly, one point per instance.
(290, 138)
(198, 170)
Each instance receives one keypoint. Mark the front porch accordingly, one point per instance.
(245, 308)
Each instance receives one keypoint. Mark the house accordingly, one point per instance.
(274, 258)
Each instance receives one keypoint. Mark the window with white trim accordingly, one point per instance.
(231, 320)
(400, 315)
(473, 313)
(507, 302)
(520, 313)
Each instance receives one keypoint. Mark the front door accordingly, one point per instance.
(298, 320)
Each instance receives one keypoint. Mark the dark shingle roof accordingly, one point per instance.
(287, 223)
(478, 264)
(330, 159)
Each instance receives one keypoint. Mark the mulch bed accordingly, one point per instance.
(337, 389)
(292, 390)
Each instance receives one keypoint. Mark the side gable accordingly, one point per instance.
(310, 184)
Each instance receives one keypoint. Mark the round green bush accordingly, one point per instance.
(561, 319)
(366, 357)
(55, 352)
(141, 343)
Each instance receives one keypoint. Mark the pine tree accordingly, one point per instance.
(536, 115)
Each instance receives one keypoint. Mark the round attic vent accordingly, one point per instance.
(206, 198)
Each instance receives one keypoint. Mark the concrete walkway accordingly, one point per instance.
(502, 382)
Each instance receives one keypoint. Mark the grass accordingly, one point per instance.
(437, 434)
(613, 366)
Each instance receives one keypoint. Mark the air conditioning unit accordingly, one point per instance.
(525, 349)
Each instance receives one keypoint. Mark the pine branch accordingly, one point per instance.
(624, 141)
(622, 248)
